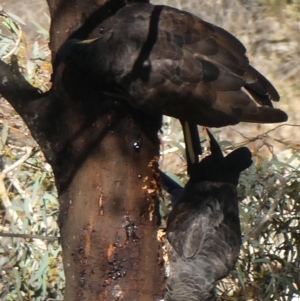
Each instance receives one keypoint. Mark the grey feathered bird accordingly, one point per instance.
(166, 61)
(203, 229)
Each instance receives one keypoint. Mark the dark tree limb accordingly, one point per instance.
(28, 101)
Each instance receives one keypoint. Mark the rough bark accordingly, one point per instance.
(104, 157)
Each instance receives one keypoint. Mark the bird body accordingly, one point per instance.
(166, 61)
(203, 242)
(203, 229)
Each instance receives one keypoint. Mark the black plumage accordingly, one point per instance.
(166, 61)
(203, 229)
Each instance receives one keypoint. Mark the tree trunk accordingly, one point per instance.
(104, 157)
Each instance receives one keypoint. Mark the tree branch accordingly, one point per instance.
(28, 101)
(28, 236)
(14, 87)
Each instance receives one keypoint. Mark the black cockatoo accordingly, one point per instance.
(166, 61)
(203, 229)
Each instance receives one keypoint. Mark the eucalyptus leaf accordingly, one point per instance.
(39, 273)
(16, 18)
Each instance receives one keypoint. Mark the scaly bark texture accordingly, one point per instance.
(106, 157)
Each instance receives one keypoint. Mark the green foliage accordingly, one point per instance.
(10, 33)
(30, 253)
(34, 58)
(268, 268)
(31, 265)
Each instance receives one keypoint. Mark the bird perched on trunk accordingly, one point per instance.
(203, 229)
(166, 61)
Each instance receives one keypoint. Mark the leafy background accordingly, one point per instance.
(269, 266)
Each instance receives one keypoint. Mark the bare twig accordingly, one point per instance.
(261, 136)
(28, 236)
(27, 154)
(11, 215)
(269, 215)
